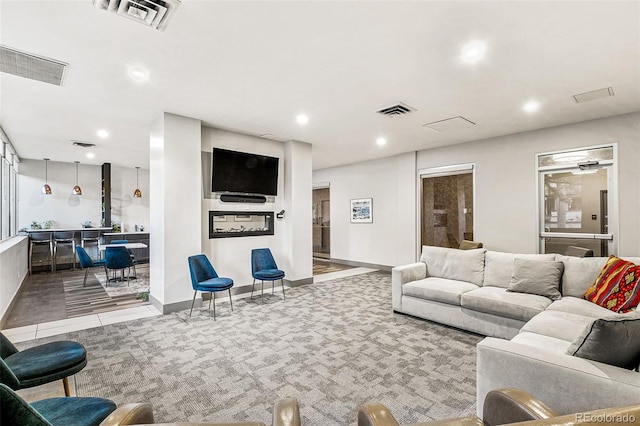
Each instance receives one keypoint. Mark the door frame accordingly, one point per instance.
(450, 170)
(612, 191)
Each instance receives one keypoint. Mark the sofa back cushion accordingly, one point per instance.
(580, 273)
(454, 264)
(498, 267)
(537, 277)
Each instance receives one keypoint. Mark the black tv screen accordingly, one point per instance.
(244, 173)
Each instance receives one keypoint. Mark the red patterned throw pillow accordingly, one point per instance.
(617, 287)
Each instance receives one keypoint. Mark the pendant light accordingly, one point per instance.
(137, 193)
(46, 189)
(76, 189)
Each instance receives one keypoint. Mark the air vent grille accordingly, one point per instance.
(593, 95)
(396, 110)
(453, 123)
(32, 66)
(152, 13)
(82, 144)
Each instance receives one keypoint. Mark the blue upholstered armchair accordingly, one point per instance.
(40, 364)
(264, 268)
(205, 279)
(69, 411)
(86, 263)
(118, 258)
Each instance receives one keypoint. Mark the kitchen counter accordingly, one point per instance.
(67, 229)
(125, 233)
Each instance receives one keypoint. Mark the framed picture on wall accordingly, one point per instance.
(362, 210)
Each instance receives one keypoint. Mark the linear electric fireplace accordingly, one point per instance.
(225, 224)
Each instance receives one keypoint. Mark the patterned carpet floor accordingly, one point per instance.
(333, 347)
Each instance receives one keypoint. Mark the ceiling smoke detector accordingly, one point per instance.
(396, 110)
(31, 66)
(152, 13)
(82, 144)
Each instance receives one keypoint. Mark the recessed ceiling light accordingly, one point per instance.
(103, 133)
(139, 74)
(302, 119)
(91, 155)
(531, 106)
(473, 51)
(381, 141)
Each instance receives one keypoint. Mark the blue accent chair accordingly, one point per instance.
(117, 258)
(133, 258)
(77, 411)
(264, 268)
(40, 364)
(86, 263)
(205, 279)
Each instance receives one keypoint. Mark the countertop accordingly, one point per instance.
(67, 229)
(126, 233)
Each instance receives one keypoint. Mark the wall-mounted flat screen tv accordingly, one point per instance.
(244, 173)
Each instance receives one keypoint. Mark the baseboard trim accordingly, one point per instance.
(298, 283)
(361, 264)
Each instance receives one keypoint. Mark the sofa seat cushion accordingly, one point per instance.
(498, 301)
(536, 340)
(438, 289)
(561, 325)
(498, 267)
(575, 305)
(454, 264)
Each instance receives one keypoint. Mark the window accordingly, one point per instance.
(577, 190)
(8, 192)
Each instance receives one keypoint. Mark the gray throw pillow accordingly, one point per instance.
(536, 277)
(611, 340)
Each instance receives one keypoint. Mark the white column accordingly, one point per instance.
(175, 209)
(298, 199)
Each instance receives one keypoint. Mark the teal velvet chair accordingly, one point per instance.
(264, 268)
(205, 279)
(40, 364)
(72, 411)
(118, 258)
(86, 262)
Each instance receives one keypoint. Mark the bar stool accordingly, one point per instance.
(66, 237)
(40, 239)
(90, 237)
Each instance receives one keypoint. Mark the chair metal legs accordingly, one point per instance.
(194, 300)
(282, 282)
(212, 299)
(254, 283)
(65, 384)
(84, 283)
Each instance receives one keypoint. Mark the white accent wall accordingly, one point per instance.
(69, 211)
(291, 243)
(391, 239)
(505, 191)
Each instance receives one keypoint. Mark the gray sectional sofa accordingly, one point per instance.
(530, 335)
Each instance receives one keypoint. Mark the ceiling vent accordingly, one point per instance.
(31, 66)
(396, 110)
(593, 95)
(454, 123)
(83, 144)
(152, 13)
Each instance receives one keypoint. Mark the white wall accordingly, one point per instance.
(69, 211)
(231, 257)
(124, 207)
(65, 209)
(175, 199)
(391, 239)
(13, 269)
(505, 191)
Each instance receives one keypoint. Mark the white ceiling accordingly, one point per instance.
(253, 66)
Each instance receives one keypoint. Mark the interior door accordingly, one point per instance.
(575, 203)
(321, 214)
